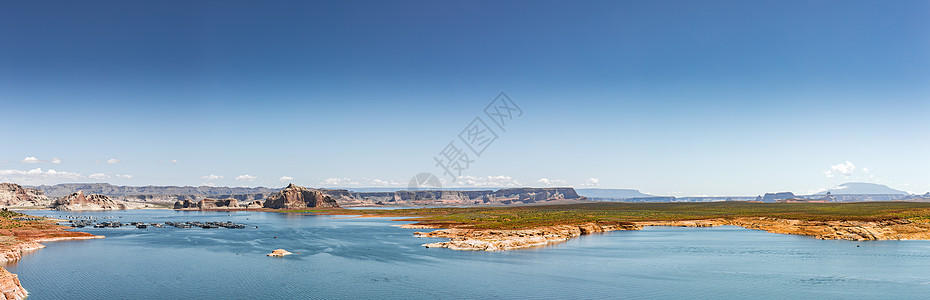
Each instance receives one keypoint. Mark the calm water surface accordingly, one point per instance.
(367, 258)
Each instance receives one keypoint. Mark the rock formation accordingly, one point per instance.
(447, 197)
(255, 204)
(297, 197)
(772, 197)
(78, 201)
(499, 240)
(12, 194)
(230, 203)
(10, 288)
(279, 253)
(140, 193)
(208, 203)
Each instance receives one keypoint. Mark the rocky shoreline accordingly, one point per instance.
(10, 287)
(501, 240)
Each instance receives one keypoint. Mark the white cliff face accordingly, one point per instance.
(78, 201)
(12, 194)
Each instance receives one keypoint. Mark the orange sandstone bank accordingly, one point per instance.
(498, 240)
(23, 237)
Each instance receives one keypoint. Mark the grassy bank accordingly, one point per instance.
(518, 217)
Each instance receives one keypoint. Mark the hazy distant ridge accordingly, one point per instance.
(611, 193)
(863, 188)
(58, 190)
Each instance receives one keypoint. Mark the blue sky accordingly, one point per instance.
(669, 97)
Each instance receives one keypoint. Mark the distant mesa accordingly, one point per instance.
(297, 197)
(78, 201)
(14, 195)
(774, 197)
(862, 188)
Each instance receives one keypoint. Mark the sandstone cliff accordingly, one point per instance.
(12, 194)
(10, 288)
(296, 197)
(451, 197)
(208, 203)
(78, 201)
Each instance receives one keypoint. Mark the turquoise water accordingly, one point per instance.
(366, 258)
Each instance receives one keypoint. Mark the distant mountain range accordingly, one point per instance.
(611, 193)
(58, 190)
(361, 196)
(863, 188)
(852, 191)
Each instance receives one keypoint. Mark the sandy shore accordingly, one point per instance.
(498, 240)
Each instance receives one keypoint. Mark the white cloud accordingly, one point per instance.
(845, 169)
(286, 179)
(31, 160)
(551, 182)
(113, 161)
(591, 182)
(174, 161)
(488, 181)
(36, 176)
(126, 176)
(338, 182)
(208, 184)
(246, 177)
(98, 176)
(380, 182)
(56, 161)
(211, 177)
(364, 182)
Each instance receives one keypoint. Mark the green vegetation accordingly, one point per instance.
(6, 214)
(516, 217)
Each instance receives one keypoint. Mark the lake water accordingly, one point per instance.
(366, 258)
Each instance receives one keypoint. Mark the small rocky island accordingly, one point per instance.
(298, 197)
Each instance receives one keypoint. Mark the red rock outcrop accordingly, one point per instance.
(297, 197)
